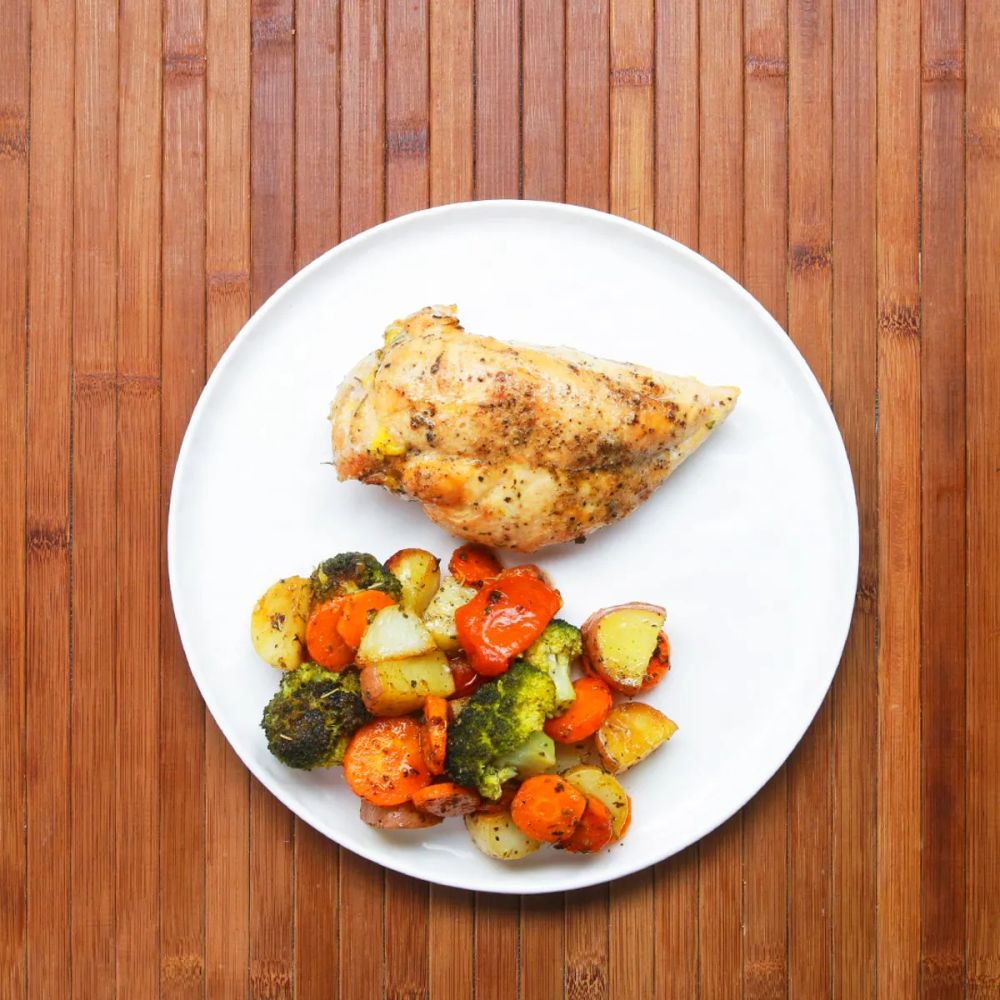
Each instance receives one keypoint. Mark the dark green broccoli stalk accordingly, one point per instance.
(311, 719)
(498, 719)
(554, 651)
(351, 571)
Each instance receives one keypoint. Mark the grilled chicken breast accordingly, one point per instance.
(510, 445)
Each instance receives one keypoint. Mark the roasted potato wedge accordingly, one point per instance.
(440, 614)
(403, 817)
(394, 634)
(630, 734)
(499, 837)
(598, 784)
(397, 687)
(417, 570)
(618, 643)
(278, 623)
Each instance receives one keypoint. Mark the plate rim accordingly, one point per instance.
(575, 877)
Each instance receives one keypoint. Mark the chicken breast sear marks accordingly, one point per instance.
(509, 445)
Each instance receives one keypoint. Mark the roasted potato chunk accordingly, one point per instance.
(402, 817)
(618, 643)
(417, 570)
(397, 687)
(440, 614)
(598, 784)
(630, 734)
(499, 837)
(394, 634)
(278, 623)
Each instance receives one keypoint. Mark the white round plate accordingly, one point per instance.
(752, 545)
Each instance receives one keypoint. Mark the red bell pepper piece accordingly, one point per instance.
(504, 619)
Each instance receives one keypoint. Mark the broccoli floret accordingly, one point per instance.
(351, 571)
(311, 719)
(536, 755)
(498, 719)
(553, 651)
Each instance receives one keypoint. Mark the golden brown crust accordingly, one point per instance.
(512, 445)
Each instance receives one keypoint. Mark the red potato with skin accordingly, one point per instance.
(630, 733)
(618, 643)
(405, 816)
(447, 799)
(397, 687)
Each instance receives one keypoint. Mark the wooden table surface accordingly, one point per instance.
(165, 166)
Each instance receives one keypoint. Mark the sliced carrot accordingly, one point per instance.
(548, 808)
(357, 611)
(384, 763)
(594, 831)
(474, 564)
(586, 715)
(504, 619)
(434, 734)
(659, 663)
(446, 799)
(628, 820)
(323, 639)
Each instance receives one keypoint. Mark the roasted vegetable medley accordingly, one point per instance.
(457, 696)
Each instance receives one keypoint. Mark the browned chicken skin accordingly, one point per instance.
(510, 445)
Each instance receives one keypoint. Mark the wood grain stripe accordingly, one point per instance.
(982, 179)
(452, 103)
(587, 940)
(942, 694)
(542, 945)
(137, 820)
(498, 78)
(407, 114)
(137, 832)
(632, 127)
(94, 570)
(898, 911)
(14, 236)
(317, 128)
(587, 103)
(47, 625)
(543, 58)
(677, 108)
(497, 947)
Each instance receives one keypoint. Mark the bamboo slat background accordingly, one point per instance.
(166, 164)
